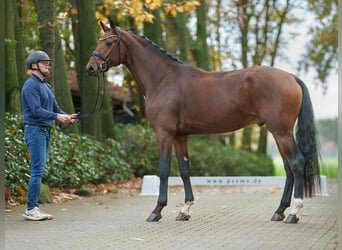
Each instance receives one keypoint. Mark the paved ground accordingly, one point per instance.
(222, 218)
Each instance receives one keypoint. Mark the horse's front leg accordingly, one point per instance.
(165, 150)
(181, 148)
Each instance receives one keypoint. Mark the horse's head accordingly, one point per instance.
(107, 52)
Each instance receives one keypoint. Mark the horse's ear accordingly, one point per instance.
(112, 25)
(104, 27)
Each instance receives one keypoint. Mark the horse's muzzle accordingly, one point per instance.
(91, 71)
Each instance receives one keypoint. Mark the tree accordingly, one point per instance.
(200, 46)
(46, 23)
(12, 92)
(62, 88)
(321, 50)
(85, 29)
(260, 27)
(20, 55)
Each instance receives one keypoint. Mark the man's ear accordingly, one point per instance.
(34, 66)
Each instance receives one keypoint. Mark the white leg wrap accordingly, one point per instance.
(296, 205)
(186, 207)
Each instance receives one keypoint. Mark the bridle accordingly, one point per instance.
(105, 65)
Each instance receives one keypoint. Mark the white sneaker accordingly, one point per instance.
(36, 214)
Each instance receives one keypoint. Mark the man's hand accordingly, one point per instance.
(74, 118)
(65, 118)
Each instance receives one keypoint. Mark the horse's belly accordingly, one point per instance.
(215, 126)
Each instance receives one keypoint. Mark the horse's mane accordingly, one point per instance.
(163, 51)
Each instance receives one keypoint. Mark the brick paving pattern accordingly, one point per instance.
(222, 218)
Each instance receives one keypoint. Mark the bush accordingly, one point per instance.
(139, 142)
(208, 156)
(17, 166)
(73, 160)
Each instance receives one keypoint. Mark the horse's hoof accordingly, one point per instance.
(292, 219)
(154, 217)
(183, 217)
(277, 217)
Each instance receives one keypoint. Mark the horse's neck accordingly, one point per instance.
(147, 65)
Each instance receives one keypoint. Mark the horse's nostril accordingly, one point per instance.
(90, 70)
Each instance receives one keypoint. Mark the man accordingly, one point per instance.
(40, 109)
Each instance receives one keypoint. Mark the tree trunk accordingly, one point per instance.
(62, 88)
(200, 48)
(243, 18)
(247, 138)
(12, 92)
(153, 31)
(20, 56)
(262, 144)
(46, 22)
(181, 31)
(85, 29)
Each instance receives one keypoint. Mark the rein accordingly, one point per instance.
(92, 112)
(103, 67)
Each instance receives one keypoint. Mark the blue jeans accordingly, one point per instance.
(38, 140)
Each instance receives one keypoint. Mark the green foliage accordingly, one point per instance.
(45, 194)
(139, 142)
(85, 191)
(112, 190)
(17, 164)
(73, 160)
(328, 167)
(321, 50)
(209, 157)
(327, 130)
(76, 160)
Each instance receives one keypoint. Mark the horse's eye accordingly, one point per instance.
(109, 44)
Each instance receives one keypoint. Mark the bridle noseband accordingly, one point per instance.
(105, 65)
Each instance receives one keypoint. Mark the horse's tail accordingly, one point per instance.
(307, 143)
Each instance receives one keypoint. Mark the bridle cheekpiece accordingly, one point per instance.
(105, 65)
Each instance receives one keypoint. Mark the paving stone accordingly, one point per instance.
(221, 218)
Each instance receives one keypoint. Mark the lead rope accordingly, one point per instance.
(92, 112)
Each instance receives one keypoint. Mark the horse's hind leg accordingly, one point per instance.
(298, 171)
(294, 166)
(287, 193)
(181, 148)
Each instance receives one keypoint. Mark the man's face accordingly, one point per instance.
(43, 66)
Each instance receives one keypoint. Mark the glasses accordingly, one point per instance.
(45, 63)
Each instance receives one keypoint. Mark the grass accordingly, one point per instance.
(329, 167)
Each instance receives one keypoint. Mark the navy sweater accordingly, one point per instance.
(39, 104)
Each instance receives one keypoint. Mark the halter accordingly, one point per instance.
(105, 65)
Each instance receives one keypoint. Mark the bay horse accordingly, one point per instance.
(181, 100)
